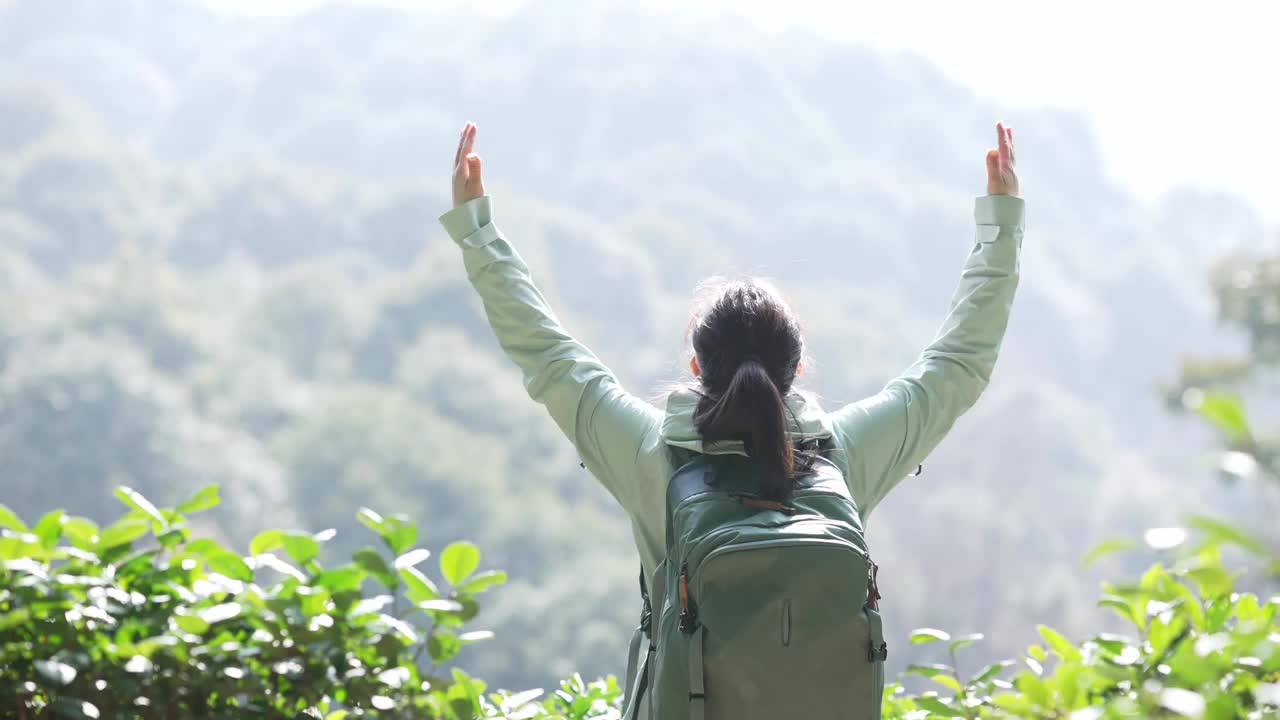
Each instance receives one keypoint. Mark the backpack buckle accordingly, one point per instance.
(873, 589)
(877, 654)
(688, 622)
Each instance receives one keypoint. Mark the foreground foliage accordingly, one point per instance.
(1197, 648)
(142, 619)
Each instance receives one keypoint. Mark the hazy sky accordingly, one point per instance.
(1177, 92)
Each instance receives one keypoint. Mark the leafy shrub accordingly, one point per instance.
(1198, 649)
(141, 619)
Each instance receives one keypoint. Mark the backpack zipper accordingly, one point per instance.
(688, 611)
(693, 559)
(688, 603)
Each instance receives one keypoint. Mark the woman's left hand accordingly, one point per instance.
(467, 184)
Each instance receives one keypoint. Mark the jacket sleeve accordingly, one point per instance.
(887, 435)
(607, 425)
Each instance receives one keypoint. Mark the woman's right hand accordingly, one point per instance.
(1001, 178)
(467, 184)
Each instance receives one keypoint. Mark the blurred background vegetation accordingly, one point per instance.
(219, 263)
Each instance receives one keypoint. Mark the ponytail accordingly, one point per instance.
(752, 409)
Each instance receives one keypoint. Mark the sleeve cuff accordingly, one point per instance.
(471, 224)
(999, 210)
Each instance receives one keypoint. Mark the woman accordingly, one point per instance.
(746, 353)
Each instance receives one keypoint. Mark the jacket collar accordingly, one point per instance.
(806, 421)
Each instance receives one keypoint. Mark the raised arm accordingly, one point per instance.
(605, 424)
(888, 434)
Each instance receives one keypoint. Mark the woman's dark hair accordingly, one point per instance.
(748, 345)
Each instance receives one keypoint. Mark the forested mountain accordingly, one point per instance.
(219, 261)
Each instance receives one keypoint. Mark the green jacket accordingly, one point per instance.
(622, 440)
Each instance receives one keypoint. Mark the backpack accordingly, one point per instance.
(762, 609)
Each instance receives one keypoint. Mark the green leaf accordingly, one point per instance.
(937, 707)
(1107, 547)
(991, 671)
(205, 498)
(411, 558)
(482, 581)
(1226, 412)
(204, 547)
(340, 579)
(948, 681)
(371, 519)
(373, 562)
(81, 531)
(516, 701)
(928, 671)
(443, 646)
(191, 624)
(1123, 608)
(458, 561)
(15, 618)
(271, 562)
(964, 641)
(401, 535)
(1212, 580)
(1248, 609)
(1017, 704)
(920, 636)
(230, 564)
(1222, 532)
(418, 587)
(1060, 644)
(301, 547)
(125, 530)
(1114, 644)
(9, 519)
(172, 538)
(135, 500)
(49, 529)
(266, 541)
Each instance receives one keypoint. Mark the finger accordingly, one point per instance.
(460, 169)
(469, 139)
(993, 163)
(1002, 144)
(473, 169)
(462, 139)
(1013, 155)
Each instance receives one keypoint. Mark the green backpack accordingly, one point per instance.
(763, 609)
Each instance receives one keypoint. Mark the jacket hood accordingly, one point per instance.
(806, 421)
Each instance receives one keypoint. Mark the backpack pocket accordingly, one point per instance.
(877, 653)
(780, 628)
